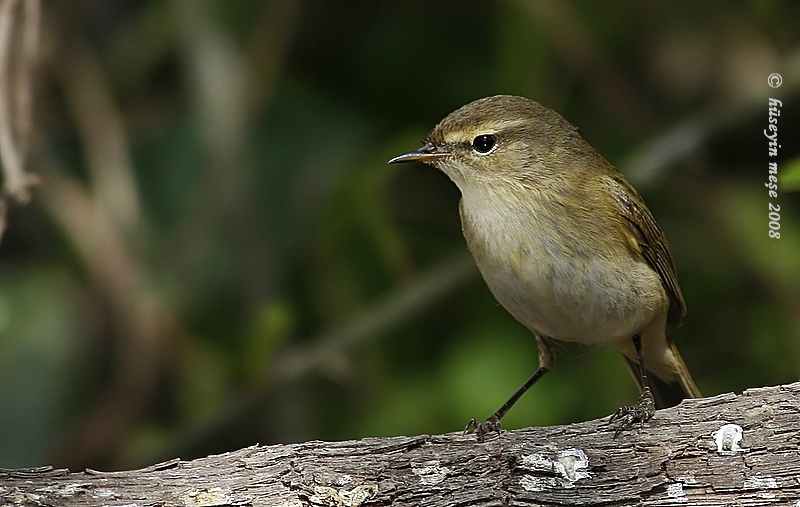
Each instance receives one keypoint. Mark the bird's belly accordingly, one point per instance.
(576, 297)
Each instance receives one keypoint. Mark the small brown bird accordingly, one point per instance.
(564, 242)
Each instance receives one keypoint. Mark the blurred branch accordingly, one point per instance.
(99, 219)
(649, 162)
(218, 78)
(15, 103)
(29, 53)
(144, 325)
(328, 351)
(582, 51)
(226, 207)
(269, 47)
(102, 132)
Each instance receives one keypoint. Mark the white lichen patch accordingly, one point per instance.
(537, 462)
(675, 492)
(687, 479)
(16, 496)
(104, 493)
(561, 470)
(573, 464)
(430, 472)
(342, 497)
(344, 480)
(761, 483)
(728, 438)
(533, 483)
(207, 497)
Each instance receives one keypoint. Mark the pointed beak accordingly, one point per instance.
(428, 154)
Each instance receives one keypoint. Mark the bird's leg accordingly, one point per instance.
(645, 407)
(547, 356)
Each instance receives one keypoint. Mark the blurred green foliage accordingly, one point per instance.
(258, 273)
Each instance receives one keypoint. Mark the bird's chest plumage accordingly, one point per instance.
(554, 283)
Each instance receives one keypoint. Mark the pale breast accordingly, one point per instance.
(555, 284)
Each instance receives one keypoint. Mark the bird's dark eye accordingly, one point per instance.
(484, 143)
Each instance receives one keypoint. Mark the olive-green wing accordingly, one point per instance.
(651, 243)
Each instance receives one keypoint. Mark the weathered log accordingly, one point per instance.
(724, 450)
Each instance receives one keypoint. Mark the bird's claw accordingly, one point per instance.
(481, 429)
(641, 412)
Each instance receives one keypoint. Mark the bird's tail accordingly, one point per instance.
(668, 389)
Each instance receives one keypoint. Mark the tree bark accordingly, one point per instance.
(683, 456)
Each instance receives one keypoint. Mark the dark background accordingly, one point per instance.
(219, 255)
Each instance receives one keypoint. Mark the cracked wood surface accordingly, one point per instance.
(678, 458)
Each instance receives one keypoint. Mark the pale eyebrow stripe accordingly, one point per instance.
(489, 127)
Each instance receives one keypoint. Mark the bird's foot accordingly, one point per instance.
(640, 413)
(480, 429)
